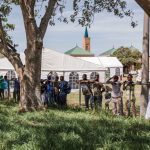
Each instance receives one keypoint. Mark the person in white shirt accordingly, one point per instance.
(116, 94)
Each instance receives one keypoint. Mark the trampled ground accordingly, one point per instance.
(70, 129)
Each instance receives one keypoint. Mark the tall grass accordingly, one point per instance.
(70, 129)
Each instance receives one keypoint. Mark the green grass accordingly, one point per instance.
(70, 129)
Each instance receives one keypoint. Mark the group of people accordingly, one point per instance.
(93, 94)
(55, 92)
(5, 88)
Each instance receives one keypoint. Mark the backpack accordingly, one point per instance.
(107, 95)
(68, 88)
(65, 87)
(85, 89)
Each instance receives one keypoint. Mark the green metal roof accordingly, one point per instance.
(132, 48)
(78, 51)
(109, 52)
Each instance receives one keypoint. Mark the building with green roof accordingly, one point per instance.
(108, 52)
(85, 51)
(132, 48)
(111, 51)
(79, 52)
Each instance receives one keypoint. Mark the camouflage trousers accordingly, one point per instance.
(130, 106)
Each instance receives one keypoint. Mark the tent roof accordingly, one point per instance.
(104, 61)
(56, 61)
(5, 64)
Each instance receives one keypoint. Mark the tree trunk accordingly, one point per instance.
(31, 77)
(145, 68)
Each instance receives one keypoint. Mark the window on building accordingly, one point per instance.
(107, 73)
(11, 84)
(118, 71)
(93, 74)
(11, 75)
(73, 78)
(52, 74)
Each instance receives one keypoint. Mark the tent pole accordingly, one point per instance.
(80, 95)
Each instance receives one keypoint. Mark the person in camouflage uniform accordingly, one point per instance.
(86, 91)
(98, 89)
(129, 87)
(56, 90)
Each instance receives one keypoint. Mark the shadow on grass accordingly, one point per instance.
(67, 129)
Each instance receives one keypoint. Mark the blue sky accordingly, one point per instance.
(106, 31)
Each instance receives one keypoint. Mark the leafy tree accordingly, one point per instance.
(128, 57)
(37, 15)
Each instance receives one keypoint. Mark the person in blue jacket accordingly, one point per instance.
(64, 89)
(49, 92)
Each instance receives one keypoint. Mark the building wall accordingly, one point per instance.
(86, 44)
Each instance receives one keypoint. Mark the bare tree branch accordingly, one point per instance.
(47, 16)
(10, 53)
(27, 7)
(145, 4)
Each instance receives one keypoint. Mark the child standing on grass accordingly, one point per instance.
(116, 94)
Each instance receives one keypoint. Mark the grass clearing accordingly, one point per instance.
(70, 129)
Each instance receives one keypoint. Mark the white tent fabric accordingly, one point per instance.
(107, 62)
(56, 61)
(5, 64)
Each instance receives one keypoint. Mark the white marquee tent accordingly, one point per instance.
(58, 62)
(111, 63)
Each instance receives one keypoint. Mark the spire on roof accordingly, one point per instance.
(86, 33)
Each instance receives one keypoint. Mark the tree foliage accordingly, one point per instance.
(83, 11)
(128, 57)
(87, 9)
